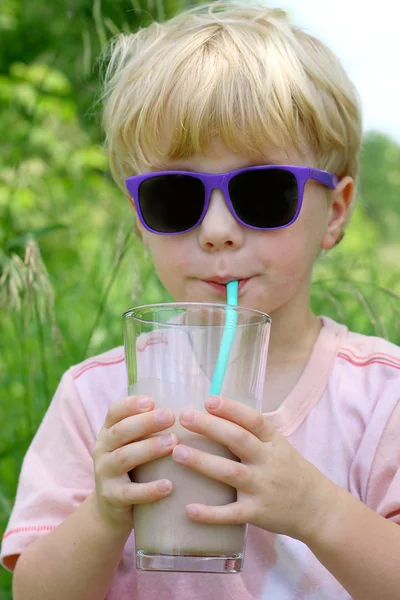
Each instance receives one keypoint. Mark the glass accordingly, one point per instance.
(171, 352)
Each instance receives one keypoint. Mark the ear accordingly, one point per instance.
(339, 212)
(138, 227)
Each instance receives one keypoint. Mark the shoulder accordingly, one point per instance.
(102, 363)
(100, 381)
(362, 402)
(365, 380)
(363, 351)
(370, 368)
(358, 351)
(107, 366)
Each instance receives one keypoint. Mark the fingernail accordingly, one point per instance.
(163, 417)
(144, 402)
(213, 402)
(192, 511)
(180, 453)
(163, 486)
(188, 415)
(166, 440)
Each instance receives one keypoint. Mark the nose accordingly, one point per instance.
(219, 229)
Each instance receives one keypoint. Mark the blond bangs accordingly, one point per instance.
(242, 76)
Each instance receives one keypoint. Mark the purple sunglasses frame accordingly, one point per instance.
(221, 181)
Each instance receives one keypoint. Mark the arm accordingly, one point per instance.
(282, 492)
(76, 560)
(360, 548)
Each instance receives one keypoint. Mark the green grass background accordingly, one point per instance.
(70, 262)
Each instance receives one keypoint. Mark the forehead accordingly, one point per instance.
(219, 159)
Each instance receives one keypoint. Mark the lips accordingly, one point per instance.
(224, 280)
(219, 283)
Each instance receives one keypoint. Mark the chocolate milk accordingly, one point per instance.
(162, 527)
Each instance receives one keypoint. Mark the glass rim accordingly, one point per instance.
(264, 318)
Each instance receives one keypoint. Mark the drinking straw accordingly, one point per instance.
(227, 339)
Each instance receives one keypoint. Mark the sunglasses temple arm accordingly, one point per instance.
(328, 179)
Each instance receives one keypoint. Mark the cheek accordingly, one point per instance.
(314, 217)
(290, 253)
(169, 258)
(304, 237)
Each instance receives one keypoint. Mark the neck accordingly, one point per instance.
(293, 334)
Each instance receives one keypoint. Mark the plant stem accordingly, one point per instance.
(42, 352)
(107, 291)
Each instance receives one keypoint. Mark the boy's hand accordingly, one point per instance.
(119, 448)
(278, 489)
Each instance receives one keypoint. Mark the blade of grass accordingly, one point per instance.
(98, 22)
(111, 26)
(42, 351)
(383, 327)
(121, 252)
(379, 288)
(160, 12)
(358, 295)
(87, 52)
(23, 373)
(136, 5)
(335, 303)
(28, 366)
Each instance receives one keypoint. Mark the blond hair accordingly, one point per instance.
(242, 75)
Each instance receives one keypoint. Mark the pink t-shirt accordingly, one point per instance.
(343, 415)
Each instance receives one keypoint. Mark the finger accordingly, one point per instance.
(242, 415)
(126, 458)
(126, 407)
(137, 427)
(222, 469)
(228, 514)
(141, 493)
(240, 441)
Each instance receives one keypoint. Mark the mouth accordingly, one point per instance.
(218, 284)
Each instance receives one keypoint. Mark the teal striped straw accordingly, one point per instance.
(227, 339)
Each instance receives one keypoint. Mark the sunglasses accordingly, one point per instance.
(262, 197)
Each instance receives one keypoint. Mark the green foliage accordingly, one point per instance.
(69, 34)
(380, 183)
(355, 283)
(70, 260)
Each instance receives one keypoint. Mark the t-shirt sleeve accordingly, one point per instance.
(375, 474)
(57, 472)
(383, 488)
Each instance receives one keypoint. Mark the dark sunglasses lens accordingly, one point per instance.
(264, 198)
(171, 203)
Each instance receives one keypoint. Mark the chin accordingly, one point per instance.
(246, 301)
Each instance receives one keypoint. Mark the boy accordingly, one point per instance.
(243, 93)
